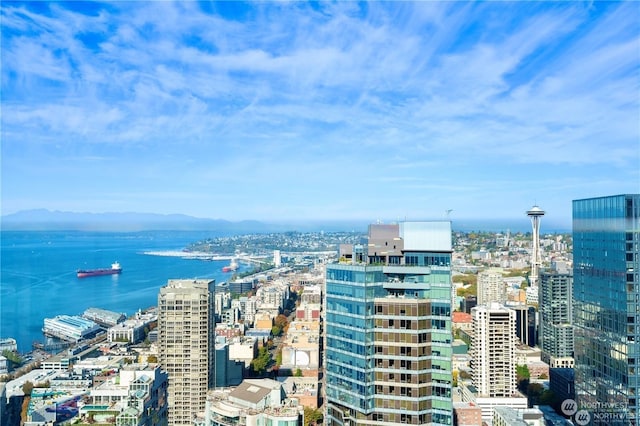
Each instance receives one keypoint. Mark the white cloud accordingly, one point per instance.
(416, 90)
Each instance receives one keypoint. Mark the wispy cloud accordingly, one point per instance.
(286, 102)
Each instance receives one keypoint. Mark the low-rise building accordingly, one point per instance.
(4, 365)
(131, 330)
(243, 349)
(304, 327)
(103, 317)
(308, 311)
(304, 389)
(229, 331)
(228, 372)
(487, 404)
(8, 344)
(99, 364)
(270, 297)
(507, 416)
(36, 377)
(461, 321)
(466, 414)
(241, 285)
(49, 406)
(71, 382)
(135, 395)
(311, 294)
(538, 370)
(552, 418)
(254, 402)
(263, 321)
(70, 328)
(526, 355)
(301, 348)
(301, 351)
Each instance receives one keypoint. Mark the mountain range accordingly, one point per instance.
(47, 220)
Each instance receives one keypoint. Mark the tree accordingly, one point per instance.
(12, 356)
(312, 416)
(27, 387)
(298, 373)
(534, 393)
(281, 321)
(523, 376)
(517, 272)
(471, 283)
(522, 372)
(261, 362)
(548, 398)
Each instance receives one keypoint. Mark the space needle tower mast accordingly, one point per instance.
(535, 214)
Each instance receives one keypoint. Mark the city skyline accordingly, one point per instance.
(267, 111)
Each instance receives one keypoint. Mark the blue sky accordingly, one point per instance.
(282, 111)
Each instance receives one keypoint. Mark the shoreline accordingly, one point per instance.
(200, 255)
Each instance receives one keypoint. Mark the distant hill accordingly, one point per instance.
(46, 220)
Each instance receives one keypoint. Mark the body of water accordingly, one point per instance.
(38, 275)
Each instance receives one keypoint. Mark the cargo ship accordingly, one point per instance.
(84, 273)
(230, 267)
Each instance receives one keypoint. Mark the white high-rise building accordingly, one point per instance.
(491, 287)
(277, 258)
(186, 339)
(493, 351)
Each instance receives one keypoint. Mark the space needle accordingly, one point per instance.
(535, 214)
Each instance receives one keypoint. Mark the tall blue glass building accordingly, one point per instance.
(606, 291)
(388, 328)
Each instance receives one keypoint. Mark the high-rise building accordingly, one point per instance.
(491, 287)
(186, 341)
(535, 214)
(493, 361)
(606, 294)
(556, 318)
(388, 328)
(493, 350)
(526, 324)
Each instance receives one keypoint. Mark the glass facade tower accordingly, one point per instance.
(388, 328)
(606, 291)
